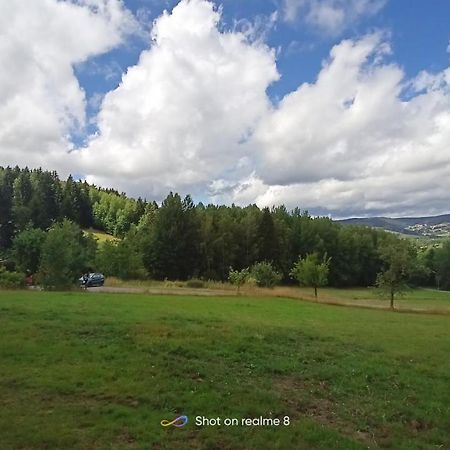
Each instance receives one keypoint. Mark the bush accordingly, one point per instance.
(265, 275)
(195, 283)
(11, 280)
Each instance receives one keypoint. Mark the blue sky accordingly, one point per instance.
(419, 32)
(341, 107)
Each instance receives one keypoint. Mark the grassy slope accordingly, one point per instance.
(413, 299)
(100, 371)
(101, 236)
(422, 300)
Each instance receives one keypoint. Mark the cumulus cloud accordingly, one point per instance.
(193, 114)
(351, 142)
(181, 117)
(330, 16)
(41, 102)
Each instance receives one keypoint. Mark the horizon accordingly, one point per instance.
(339, 108)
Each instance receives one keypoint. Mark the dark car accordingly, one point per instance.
(94, 279)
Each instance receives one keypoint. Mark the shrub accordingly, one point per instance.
(265, 275)
(195, 283)
(11, 280)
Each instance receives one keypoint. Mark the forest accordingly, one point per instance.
(43, 223)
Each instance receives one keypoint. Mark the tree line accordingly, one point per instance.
(180, 240)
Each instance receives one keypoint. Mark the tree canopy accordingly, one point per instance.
(178, 239)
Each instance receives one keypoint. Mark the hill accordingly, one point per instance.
(431, 226)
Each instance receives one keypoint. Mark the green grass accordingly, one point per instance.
(420, 299)
(413, 300)
(101, 236)
(100, 371)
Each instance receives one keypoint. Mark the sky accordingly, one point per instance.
(339, 107)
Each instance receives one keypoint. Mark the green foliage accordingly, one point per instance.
(76, 204)
(120, 259)
(173, 250)
(114, 212)
(27, 247)
(238, 277)
(441, 266)
(66, 254)
(180, 240)
(11, 280)
(268, 240)
(265, 275)
(311, 271)
(399, 262)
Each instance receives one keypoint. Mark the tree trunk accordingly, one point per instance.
(315, 292)
(392, 298)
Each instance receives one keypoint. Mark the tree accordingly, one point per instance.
(399, 260)
(22, 193)
(238, 277)
(311, 271)
(267, 245)
(265, 275)
(7, 177)
(120, 259)
(66, 253)
(174, 249)
(441, 260)
(27, 247)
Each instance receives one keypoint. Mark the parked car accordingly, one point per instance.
(93, 279)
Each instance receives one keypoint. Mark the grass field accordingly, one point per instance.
(414, 300)
(419, 300)
(100, 371)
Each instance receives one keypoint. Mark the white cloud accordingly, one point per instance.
(350, 141)
(193, 115)
(330, 16)
(181, 116)
(41, 101)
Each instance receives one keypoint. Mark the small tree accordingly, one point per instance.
(310, 271)
(27, 247)
(265, 275)
(238, 277)
(66, 253)
(399, 260)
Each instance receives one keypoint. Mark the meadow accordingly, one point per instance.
(84, 370)
(421, 300)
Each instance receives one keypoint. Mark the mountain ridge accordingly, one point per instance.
(432, 226)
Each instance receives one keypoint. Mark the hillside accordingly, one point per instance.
(432, 226)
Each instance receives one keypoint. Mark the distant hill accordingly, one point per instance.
(433, 226)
